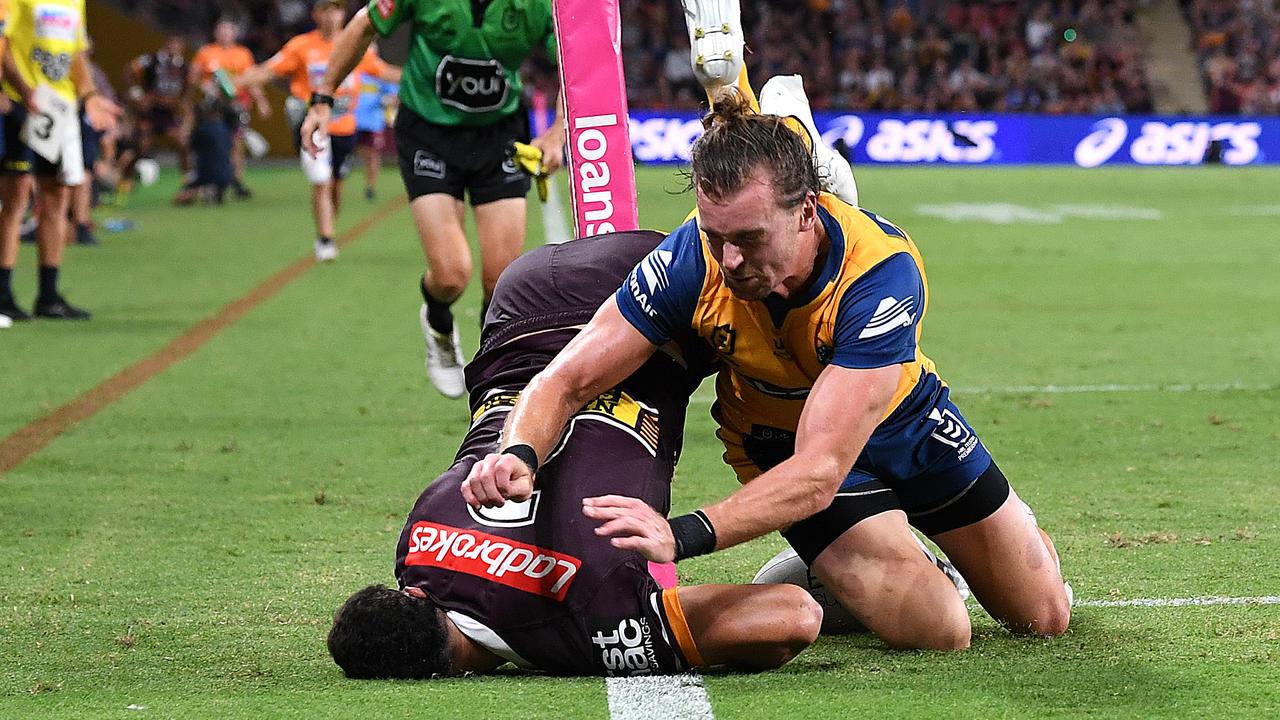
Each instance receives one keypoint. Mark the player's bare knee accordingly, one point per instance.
(1050, 617)
(805, 621)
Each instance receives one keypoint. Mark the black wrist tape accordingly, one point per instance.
(694, 535)
(526, 455)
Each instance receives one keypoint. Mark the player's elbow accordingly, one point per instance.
(816, 491)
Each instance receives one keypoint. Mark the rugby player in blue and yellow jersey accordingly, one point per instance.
(835, 421)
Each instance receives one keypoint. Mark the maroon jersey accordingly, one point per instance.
(532, 581)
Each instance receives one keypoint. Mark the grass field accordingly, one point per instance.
(183, 549)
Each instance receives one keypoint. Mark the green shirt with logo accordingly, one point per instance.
(464, 55)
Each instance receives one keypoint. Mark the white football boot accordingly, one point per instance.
(784, 96)
(326, 252)
(444, 358)
(715, 40)
(5, 322)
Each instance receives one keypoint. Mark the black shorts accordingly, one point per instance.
(18, 158)
(977, 501)
(452, 160)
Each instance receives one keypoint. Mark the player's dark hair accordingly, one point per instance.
(383, 633)
(738, 141)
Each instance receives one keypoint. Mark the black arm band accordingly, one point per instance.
(321, 99)
(526, 455)
(694, 535)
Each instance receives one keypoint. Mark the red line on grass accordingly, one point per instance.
(33, 437)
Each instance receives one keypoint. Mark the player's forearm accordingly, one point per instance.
(790, 492)
(540, 415)
(348, 48)
(253, 78)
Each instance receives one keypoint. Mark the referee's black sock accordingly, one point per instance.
(325, 239)
(48, 283)
(6, 282)
(439, 316)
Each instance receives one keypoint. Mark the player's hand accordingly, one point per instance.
(102, 113)
(551, 143)
(497, 478)
(632, 525)
(317, 118)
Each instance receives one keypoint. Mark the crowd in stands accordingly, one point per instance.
(265, 25)
(1238, 45)
(1030, 56)
(1058, 57)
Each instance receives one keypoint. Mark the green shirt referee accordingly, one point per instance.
(460, 111)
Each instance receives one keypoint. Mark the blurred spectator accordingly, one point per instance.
(1238, 45)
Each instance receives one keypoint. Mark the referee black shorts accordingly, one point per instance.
(474, 161)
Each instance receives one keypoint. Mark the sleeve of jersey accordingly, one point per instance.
(878, 315)
(660, 294)
(385, 15)
(283, 63)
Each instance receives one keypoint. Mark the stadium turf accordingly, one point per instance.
(182, 550)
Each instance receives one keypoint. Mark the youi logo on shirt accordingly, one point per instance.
(57, 22)
(471, 85)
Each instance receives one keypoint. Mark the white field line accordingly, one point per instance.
(1180, 602)
(1054, 389)
(555, 230)
(1114, 388)
(670, 697)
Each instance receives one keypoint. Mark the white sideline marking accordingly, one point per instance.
(1113, 388)
(1180, 602)
(1011, 213)
(1053, 389)
(554, 228)
(671, 697)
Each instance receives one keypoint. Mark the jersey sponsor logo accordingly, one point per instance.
(502, 560)
(654, 271)
(891, 314)
(510, 514)
(626, 648)
(474, 86)
(54, 66)
(427, 165)
(57, 22)
(385, 8)
(952, 431)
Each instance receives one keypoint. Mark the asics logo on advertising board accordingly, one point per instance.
(848, 128)
(891, 314)
(664, 139)
(502, 560)
(1186, 143)
(1161, 143)
(959, 141)
(1101, 144)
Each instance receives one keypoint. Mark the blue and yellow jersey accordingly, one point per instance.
(371, 111)
(863, 311)
(44, 36)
